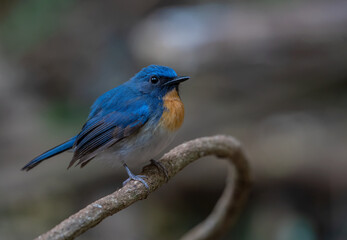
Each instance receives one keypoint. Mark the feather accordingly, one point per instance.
(105, 131)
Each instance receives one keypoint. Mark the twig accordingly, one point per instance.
(224, 214)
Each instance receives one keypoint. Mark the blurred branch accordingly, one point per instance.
(224, 214)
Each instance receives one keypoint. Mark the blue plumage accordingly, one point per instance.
(50, 153)
(106, 131)
(122, 121)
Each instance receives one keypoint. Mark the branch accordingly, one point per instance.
(224, 214)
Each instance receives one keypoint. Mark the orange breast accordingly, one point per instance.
(173, 114)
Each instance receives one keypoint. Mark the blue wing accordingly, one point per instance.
(120, 98)
(103, 131)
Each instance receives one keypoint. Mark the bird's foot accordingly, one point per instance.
(134, 177)
(161, 168)
(139, 178)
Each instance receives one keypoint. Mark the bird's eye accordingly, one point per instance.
(154, 80)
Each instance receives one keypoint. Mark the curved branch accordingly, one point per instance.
(224, 214)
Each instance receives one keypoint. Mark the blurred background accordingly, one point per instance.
(271, 73)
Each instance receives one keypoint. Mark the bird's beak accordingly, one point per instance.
(177, 80)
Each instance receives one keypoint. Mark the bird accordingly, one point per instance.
(132, 122)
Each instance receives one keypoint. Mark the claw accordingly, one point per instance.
(134, 177)
(161, 168)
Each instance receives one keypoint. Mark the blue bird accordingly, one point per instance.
(132, 122)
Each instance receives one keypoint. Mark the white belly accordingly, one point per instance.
(147, 144)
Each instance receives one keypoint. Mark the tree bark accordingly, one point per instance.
(217, 223)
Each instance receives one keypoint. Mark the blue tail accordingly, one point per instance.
(50, 153)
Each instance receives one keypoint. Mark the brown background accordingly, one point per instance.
(271, 73)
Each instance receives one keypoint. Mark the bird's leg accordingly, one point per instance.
(134, 177)
(161, 168)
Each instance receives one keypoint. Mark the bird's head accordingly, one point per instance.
(157, 80)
